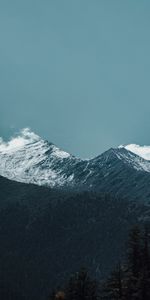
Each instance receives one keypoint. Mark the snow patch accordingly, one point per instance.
(60, 153)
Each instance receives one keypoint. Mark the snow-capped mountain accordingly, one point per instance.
(28, 158)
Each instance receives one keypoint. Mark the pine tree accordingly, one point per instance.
(81, 287)
(134, 251)
(113, 288)
(144, 285)
(52, 295)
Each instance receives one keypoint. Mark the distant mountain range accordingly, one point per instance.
(123, 171)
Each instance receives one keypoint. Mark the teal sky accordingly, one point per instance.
(77, 72)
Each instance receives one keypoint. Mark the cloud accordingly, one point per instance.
(143, 151)
(25, 136)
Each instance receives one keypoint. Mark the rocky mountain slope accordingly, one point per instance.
(28, 158)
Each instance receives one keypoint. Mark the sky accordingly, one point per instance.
(77, 72)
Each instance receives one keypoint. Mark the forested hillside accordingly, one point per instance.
(130, 280)
(47, 234)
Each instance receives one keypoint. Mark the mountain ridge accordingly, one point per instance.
(28, 158)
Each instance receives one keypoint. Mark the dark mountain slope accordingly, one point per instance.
(47, 234)
(117, 172)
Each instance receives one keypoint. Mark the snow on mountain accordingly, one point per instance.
(30, 159)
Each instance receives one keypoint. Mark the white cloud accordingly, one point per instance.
(143, 151)
(16, 143)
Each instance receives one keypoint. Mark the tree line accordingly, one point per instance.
(129, 280)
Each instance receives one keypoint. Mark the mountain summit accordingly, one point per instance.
(30, 159)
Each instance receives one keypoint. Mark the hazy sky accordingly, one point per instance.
(77, 72)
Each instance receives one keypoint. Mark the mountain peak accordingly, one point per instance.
(28, 158)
